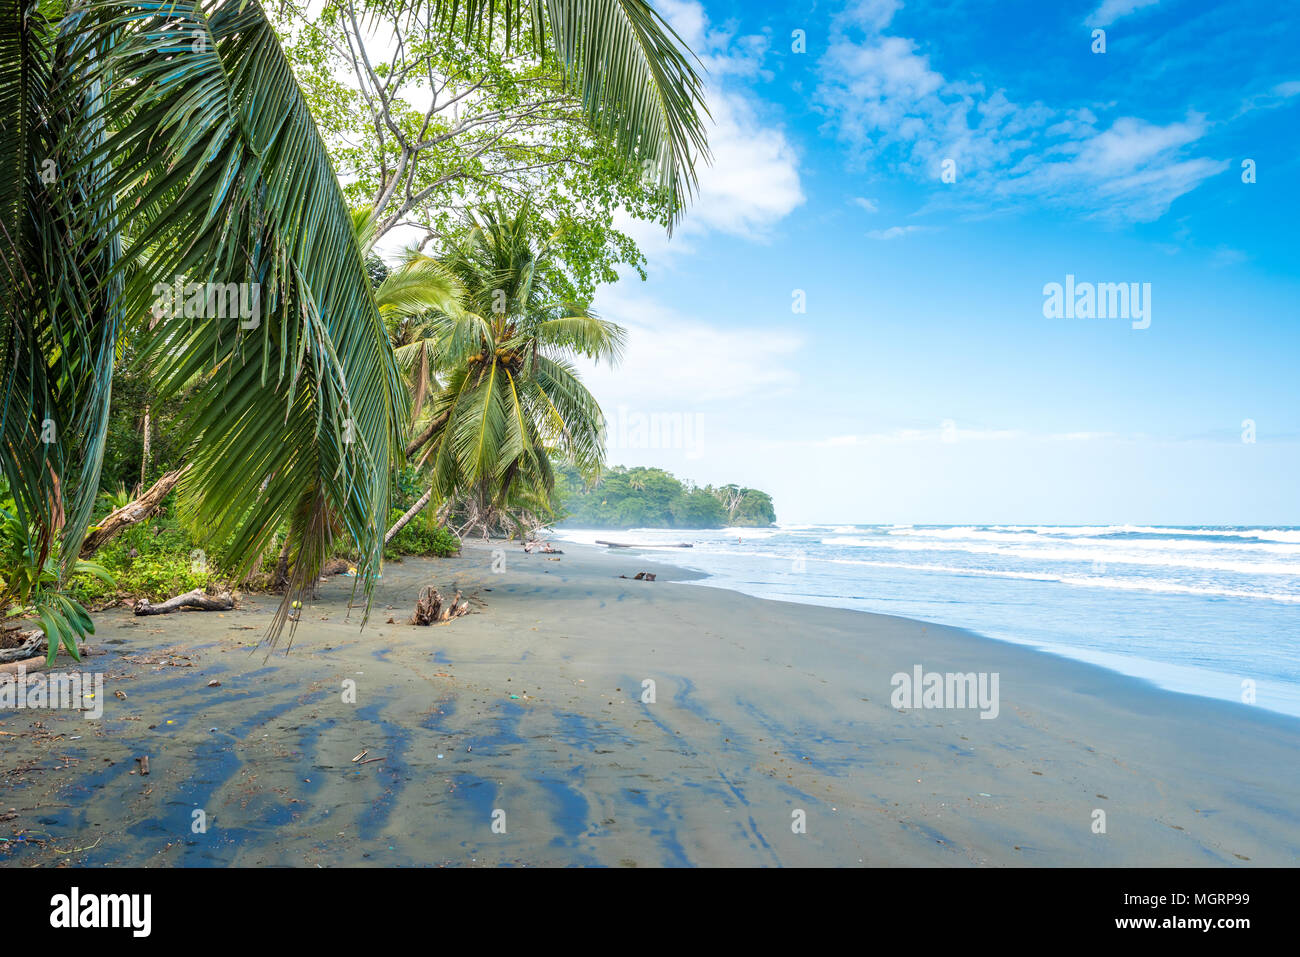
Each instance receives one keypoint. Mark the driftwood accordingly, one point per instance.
(27, 648)
(657, 545)
(37, 662)
(546, 548)
(198, 599)
(429, 607)
(641, 577)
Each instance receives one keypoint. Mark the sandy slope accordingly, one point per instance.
(762, 709)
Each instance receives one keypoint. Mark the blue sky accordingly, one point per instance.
(923, 382)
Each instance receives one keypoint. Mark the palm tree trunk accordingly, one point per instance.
(423, 438)
(144, 457)
(411, 512)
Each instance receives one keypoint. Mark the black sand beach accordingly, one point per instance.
(532, 706)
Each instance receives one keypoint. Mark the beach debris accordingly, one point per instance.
(360, 756)
(197, 599)
(546, 548)
(655, 545)
(214, 683)
(143, 761)
(24, 644)
(641, 577)
(431, 607)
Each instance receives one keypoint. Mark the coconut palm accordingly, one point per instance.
(510, 396)
(142, 142)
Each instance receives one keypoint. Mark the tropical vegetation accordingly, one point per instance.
(179, 255)
(654, 498)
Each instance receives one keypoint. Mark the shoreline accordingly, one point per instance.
(533, 706)
(1039, 615)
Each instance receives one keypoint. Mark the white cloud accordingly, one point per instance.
(753, 181)
(893, 109)
(896, 232)
(870, 205)
(676, 363)
(1112, 10)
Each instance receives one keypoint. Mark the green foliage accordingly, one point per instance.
(421, 537)
(182, 150)
(133, 392)
(33, 584)
(506, 386)
(746, 506)
(596, 109)
(154, 559)
(652, 498)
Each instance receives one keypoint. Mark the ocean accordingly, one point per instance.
(1212, 611)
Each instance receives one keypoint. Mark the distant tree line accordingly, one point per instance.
(652, 498)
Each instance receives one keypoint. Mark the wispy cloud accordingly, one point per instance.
(753, 182)
(897, 232)
(1113, 10)
(886, 101)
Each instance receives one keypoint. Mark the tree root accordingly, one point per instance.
(429, 607)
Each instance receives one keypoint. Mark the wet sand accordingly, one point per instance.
(532, 706)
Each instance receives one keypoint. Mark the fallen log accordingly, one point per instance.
(641, 577)
(197, 599)
(657, 545)
(32, 641)
(430, 607)
(42, 661)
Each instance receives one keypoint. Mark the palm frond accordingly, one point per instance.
(225, 180)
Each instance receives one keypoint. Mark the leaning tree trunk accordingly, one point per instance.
(132, 512)
(411, 512)
(429, 432)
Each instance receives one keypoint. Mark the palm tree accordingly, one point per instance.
(140, 143)
(510, 396)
